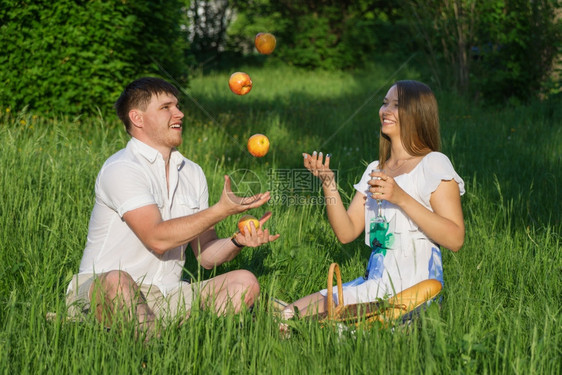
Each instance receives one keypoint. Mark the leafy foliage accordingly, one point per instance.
(315, 33)
(517, 46)
(497, 49)
(72, 57)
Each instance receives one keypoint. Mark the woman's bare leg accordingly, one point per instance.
(309, 305)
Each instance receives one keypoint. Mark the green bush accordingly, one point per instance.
(518, 45)
(72, 57)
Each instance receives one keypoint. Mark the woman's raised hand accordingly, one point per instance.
(319, 166)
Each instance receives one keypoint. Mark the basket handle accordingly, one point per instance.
(334, 268)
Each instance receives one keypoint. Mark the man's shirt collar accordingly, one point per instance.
(151, 154)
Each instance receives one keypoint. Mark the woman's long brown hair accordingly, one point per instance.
(419, 121)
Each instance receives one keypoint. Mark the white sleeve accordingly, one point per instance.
(436, 168)
(123, 187)
(363, 185)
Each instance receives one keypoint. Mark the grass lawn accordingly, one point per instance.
(501, 308)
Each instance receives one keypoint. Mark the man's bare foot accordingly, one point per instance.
(284, 331)
(146, 331)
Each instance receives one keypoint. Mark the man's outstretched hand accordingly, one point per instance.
(233, 204)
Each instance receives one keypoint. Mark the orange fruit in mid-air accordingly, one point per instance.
(240, 83)
(244, 223)
(265, 43)
(258, 145)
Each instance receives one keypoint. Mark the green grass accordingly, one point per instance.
(501, 309)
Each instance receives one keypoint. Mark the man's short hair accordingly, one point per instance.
(137, 95)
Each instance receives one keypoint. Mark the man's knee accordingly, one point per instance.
(114, 283)
(249, 285)
(114, 292)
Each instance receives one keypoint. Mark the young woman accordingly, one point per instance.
(419, 192)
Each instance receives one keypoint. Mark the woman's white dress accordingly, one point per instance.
(401, 255)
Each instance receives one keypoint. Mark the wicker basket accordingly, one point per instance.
(385, 312)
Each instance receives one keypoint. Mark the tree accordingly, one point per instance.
(208, 22)
(497, 48)
(446, 31)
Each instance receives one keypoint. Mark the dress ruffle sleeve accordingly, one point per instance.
(436, 167)
(363, 185)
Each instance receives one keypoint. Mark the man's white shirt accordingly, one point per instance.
(135, 177)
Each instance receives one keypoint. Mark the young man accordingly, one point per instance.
(151, 202)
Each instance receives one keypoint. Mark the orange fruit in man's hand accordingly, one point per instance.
(240, 83)
(265, 43)
(244, 223)
(258, 145)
